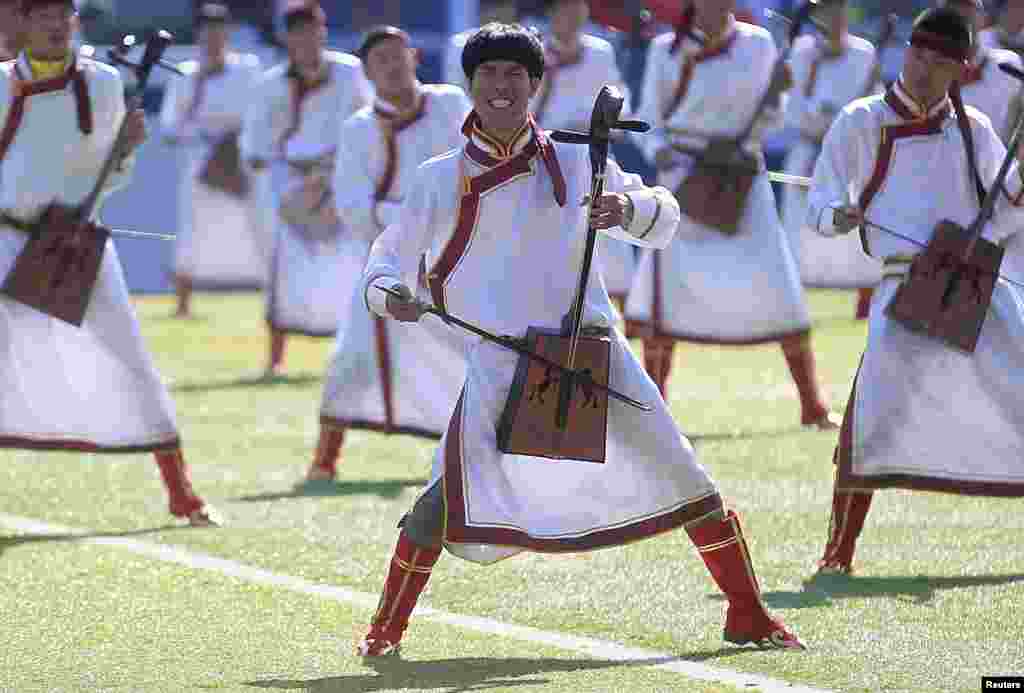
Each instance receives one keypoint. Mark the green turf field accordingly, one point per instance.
(936, 603)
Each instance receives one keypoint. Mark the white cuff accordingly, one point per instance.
(377, 300)
(646, 212)
(826, 222)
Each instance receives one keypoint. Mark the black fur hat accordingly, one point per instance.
(510, 42)
(29, 5)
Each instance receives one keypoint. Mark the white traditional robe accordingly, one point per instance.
(309, 279)
(223, 241)
(504, 255)
(387, 375)
(706, 286)
(823, 84)
(565, 100)
(925, 415)
(92, 387)
(992, 91)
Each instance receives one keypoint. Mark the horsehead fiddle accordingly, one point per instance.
(540, 427)
(56, 271)
(948, 288)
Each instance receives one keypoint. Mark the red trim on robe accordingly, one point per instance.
(300, 91)
(22, 89)
(688, 67)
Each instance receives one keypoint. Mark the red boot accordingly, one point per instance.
(658, 361)
(410, 569)
(864, 303)
(183, 500)
(849, 510)
(328, 450)
(721, 545)
(183, 289)
(276, 362)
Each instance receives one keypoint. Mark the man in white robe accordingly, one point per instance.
(221, 241)
(577, 66)
(922, 415)
(829, 71)
(293, 126)
(503, 230)
(708, 287)
(92, 388)
(383, 375)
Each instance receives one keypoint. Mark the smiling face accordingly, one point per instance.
(10, 21)
(501, 91)
(48, 30)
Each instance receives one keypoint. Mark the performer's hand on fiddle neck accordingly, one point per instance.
(846, 219)
(406, 309)
(613, 209)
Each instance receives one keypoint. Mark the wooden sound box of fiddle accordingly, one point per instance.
(527, 425)
(57, 269)
(949, 286)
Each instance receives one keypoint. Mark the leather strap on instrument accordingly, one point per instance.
(968, 137)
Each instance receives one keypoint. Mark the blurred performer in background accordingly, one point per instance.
(922, 415)
(1008, 30)
(985, 86)
(10, 29)
(294, 123)
(577, 65)
(490, 11)
(91, 388)
(221, 242)
(706, 286)
(384, 375)
(501, 223)
(829, 71)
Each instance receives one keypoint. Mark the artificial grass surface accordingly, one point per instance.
(934, 605)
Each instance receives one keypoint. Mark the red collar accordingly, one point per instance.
(539, 143)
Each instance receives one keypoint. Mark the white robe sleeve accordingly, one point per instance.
(833, 173)
(655, 210)
(361, 91)
(354, 182)
(257, 139)
(651, 107)
(395, 255)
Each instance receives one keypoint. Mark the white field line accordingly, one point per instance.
(602, 649)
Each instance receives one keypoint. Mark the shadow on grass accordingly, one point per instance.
(748, 435)
(821, 590)
(385, 488)
(255, 380)
(453, 675)
(13, 541)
